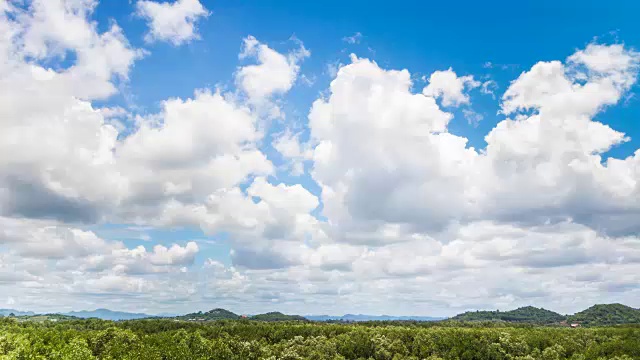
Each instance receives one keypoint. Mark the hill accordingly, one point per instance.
(277, 316)
(106, 314)
(607, 314)
(211, 315)
(45, 317)
(527, 314)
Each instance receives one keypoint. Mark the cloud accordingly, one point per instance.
(448, 86)
(379, 206)
(174, 22)
(288, 144)
(370, 135)
(543, 165)
(71, 163)
(353, 39)
(175, 255)
(489, 87)
(472, 117)
(201, 145)
(274, 73)
(58, 160)
(333, 67)
(86, 252)
(609, 60)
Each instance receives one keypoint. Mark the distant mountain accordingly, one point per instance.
(361, 317)
(527, 314)
(277, 316)
(106, 314)
(7, 312)
(211, 315)
(606, 314)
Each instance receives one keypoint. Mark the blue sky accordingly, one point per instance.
(159, 160)
(420, 36)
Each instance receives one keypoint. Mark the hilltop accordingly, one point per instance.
(277, 316)
(527, 314)
(211, 315)
(607, 314)
(222, 314)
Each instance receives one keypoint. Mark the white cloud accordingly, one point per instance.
(407, 211)
(174, 22)
(353, 39)
(451, 88)
(472, 117)
(332, 68)
(62, 162)
(489, 87)
(288, 144)
(175, 255)
(608, 60)
(201, 144)
(86, 252)
(274, 73)
(371, 135)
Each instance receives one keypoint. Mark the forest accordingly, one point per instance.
(245, 339)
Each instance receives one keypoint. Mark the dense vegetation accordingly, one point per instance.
(597, 315)
(277, 316)
(610, 314)
(215, 314)
(528, 314)
(222, 314)
(246, 340)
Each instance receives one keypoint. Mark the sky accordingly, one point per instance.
(404, 158)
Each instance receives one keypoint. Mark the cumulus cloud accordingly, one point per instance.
(543, 165)
(289, 146)
(86, 252)
(174, 22)
(57, 157)
(199, 146)
(273, 74)
(538, 172)
(372, 134)
(450, 87)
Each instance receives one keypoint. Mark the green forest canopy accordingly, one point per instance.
(168, 339)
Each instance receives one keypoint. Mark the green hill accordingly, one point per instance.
(607, 314)
(527, 314)
(277, 316)
(211, 315)
(46, 317)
